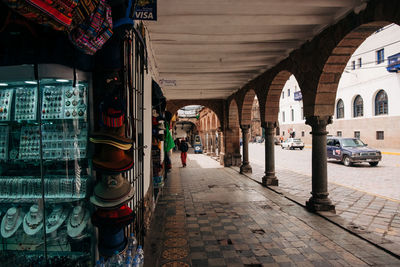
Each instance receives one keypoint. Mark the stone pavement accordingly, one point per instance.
(212, 216)
(377, 219)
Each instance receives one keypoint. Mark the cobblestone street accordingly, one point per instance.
(376, 218)
(212, 216)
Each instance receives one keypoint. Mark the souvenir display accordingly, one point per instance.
(33, 220)
(15, 189)
(6, 97)
(29, 142)
(11, 221)
(64, 141)
(110, 194)
(77, 221)
(64, 102)
(45, 170)
(4, 133)
(26, 99)
(56, 218)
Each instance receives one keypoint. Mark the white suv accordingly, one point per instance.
(292, 143)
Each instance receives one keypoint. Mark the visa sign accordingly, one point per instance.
(145, 10)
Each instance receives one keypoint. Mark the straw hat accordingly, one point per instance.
(77, 221)
(11, 221)
(56, 218)
(116, 135)
(112, 159)
(112, 191)
(33, 220)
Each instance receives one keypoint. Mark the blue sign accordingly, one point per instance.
(298, 96)
(394, 63)
(145, 10)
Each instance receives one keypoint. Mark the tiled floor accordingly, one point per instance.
(212, 216)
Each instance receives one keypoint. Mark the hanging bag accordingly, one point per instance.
(57, 14)
(91, 35)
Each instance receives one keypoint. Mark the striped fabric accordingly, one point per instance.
(91, 35)
(113, 121)
(61, 10)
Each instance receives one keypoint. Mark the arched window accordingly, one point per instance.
(340, 109)
(358, 106)
(381, 103)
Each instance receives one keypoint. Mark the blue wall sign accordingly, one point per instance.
(145, 10)
(298, 96)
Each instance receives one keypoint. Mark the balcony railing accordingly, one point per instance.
(394, 63)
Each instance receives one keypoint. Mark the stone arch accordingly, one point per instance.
(274, 95)
(247, 107)
(325, 97)
(215, 105)
(233, 118)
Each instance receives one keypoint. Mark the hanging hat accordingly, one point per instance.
(112, 191)
(56, 218)
(113, 112)
(112, 159)
(111, 239)
(33, 220)
(77, 221)
(119, 217)
(11, 221)
(112, 136)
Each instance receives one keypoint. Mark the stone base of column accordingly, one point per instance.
(246, 168)
(323, 203)
(270, 180)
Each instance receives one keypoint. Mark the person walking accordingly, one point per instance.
(183, 147)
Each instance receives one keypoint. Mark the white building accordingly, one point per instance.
(367, 100)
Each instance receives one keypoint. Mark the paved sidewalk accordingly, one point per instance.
(374, 218)
(212, 216)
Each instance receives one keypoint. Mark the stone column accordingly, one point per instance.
(319, 200)
(208, 142)
(269, 177)
(221, 145)
(245, 167)
(213, 144)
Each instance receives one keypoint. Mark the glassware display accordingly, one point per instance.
(45, 175)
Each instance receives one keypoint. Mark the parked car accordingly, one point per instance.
(292, 143)
(351, 150)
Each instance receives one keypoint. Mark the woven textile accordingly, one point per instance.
(91, 35)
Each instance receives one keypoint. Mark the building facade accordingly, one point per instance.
(366, 101)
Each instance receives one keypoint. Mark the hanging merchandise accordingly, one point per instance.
(112, 191)
(91, 35)
(56, 13)
(11, 221)
(111, 240)
(119, 217)
(124, 14)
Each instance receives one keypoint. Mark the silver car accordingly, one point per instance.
(292, 143)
